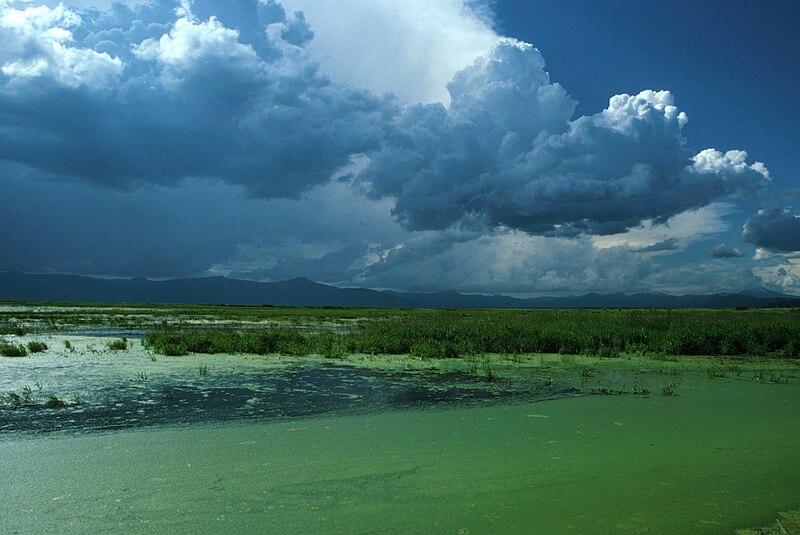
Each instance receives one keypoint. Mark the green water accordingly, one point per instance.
(722, 455)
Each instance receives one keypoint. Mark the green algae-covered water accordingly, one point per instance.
(722, 454)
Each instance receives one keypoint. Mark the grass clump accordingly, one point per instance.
(120, 344)
(639, 387)
(12, 350)
(37, 347)
(286, 341)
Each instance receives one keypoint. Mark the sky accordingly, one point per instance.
(505, 147)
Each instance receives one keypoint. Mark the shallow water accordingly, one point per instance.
(721, 454)
(94, 388)
(701, 463)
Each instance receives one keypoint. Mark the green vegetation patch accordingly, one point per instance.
(11, 328)
(37, 347)
(453, 333)
(120, 344)
(12, 350)
(285, 341)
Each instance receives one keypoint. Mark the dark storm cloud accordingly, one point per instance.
(182, 231)
(162, 98)
(164, 140)
(226, 90)
(78, 228)
(723, 251)
(775, 229)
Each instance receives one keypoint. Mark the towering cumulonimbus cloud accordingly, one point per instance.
(508, 152)
(226, 90)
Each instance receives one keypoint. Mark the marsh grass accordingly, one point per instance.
(54, 402)
(463, 333)
(779, 378)
(26, 399)
(438, 333)
(11, 328)
(668, 390)
(716, 371)
(639, 387)
(120, 344)
(260, 342)
(14, 399)
(760, 375)
(37, 347)
(488, 373)
(8, 349)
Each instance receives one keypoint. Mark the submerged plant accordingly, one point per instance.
(54, 402)
(639, 387)
(488, 373)
(779, 379)
(607, 352)
(668, 390)
(15, 400)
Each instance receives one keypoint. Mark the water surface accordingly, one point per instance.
(260, 445)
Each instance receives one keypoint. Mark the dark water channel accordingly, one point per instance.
(297, 390)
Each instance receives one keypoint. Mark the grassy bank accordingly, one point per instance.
(454, 333)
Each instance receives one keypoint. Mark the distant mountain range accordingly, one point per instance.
(15, 286)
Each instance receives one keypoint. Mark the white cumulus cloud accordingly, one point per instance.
(410, 48)
(37, 42)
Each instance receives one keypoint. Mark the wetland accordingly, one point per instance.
(299, 420)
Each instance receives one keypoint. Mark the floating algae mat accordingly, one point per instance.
(91, 387)
(266, 445)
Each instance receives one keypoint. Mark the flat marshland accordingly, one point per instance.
(190, 419)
